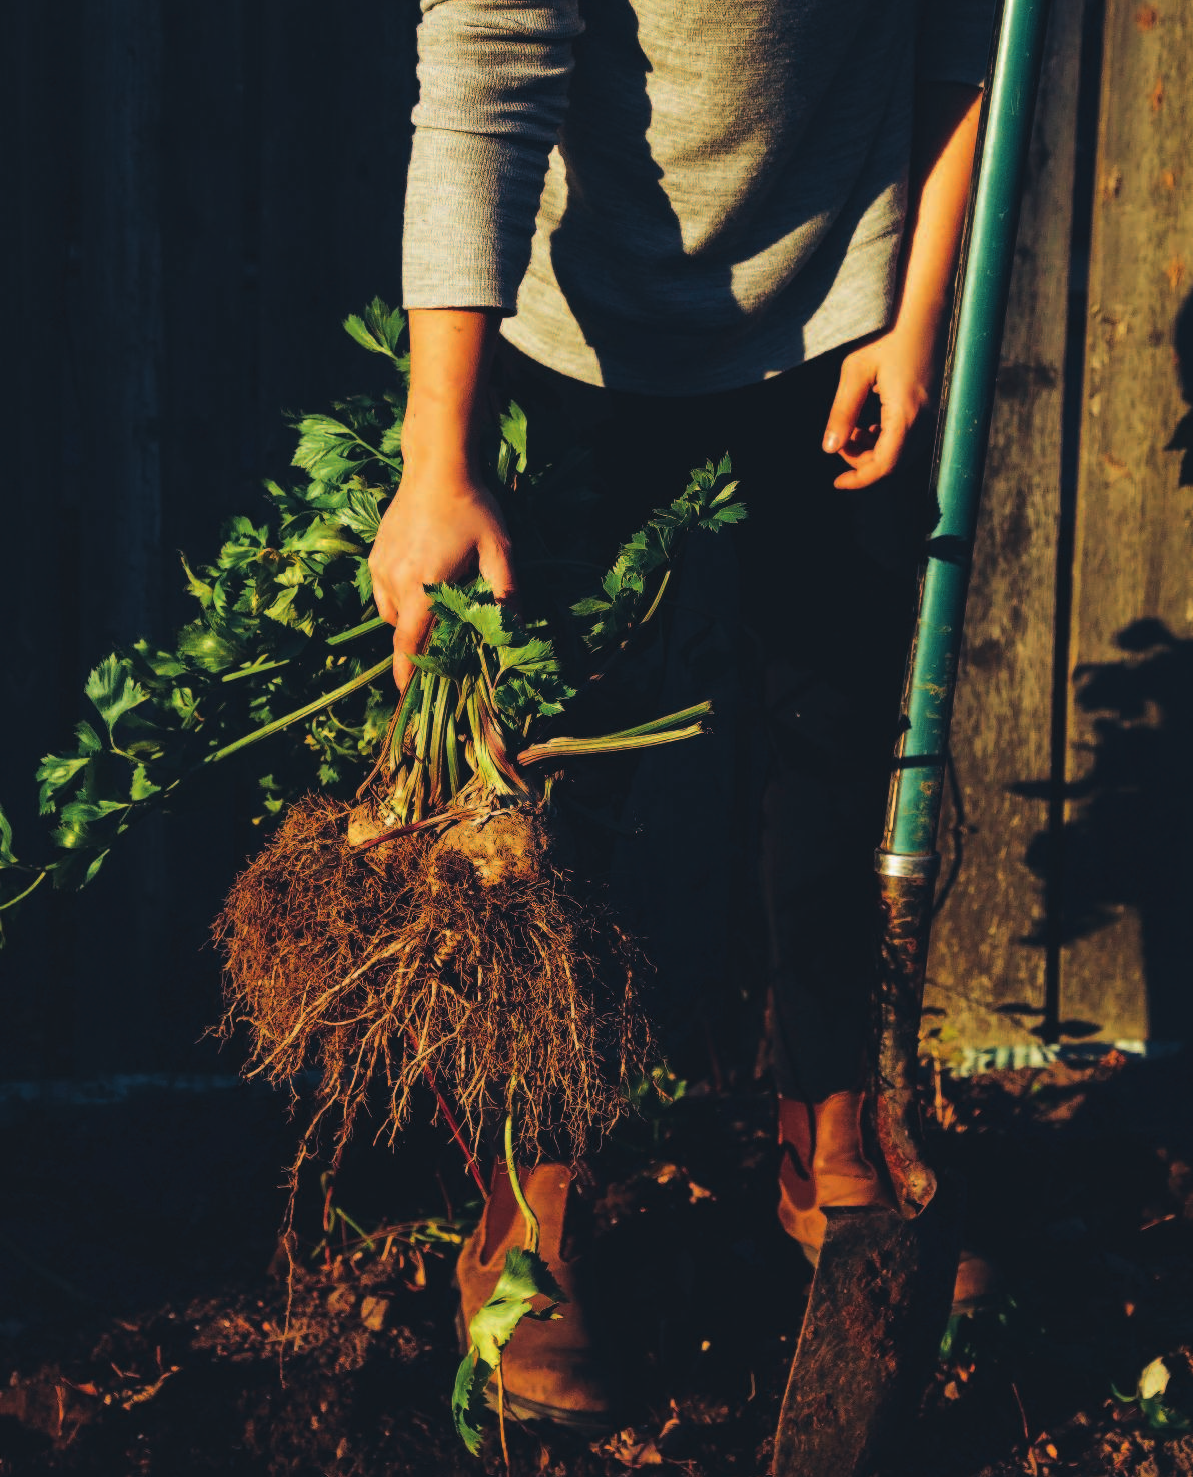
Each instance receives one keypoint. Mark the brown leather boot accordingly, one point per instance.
(823, 1163)
(549, 1369)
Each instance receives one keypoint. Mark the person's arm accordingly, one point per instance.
(443, 524)
(492, 93)
(899, 364)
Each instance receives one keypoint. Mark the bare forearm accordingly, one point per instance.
(451, 354)
(898, 365)
(946, 133)
(444, 523)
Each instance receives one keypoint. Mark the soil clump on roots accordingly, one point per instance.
(466, 962)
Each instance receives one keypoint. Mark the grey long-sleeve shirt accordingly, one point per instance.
(725, 180)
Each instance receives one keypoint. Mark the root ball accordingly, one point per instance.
(467, 960)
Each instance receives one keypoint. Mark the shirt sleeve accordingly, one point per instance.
(954, 41)
(493, 77)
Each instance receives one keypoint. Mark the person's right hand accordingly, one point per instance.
(443, 524)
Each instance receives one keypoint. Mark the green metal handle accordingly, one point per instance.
(913, 807)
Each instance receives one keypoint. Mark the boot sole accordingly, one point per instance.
(589, 1422)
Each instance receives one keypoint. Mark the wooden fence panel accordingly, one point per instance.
(1127, 873)
(200, 194)
(38, 596)
(986, 982)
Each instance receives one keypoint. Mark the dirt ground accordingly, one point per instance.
(145, 1307)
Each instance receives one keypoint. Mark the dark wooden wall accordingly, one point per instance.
(1070, 916)
(196, 195)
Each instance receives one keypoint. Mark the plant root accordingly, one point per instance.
(467, 960)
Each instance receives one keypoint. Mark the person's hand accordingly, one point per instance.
(897, 367)
(443, 524)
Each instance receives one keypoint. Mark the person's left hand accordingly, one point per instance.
(898, 367)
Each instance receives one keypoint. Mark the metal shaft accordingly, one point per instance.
(913, 810)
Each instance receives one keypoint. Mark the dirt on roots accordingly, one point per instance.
(411, 964)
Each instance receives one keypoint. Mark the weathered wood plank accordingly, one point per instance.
(210, 147)
(336, 100)
(41, 533)
(987, 982)
(1128, 879)
(112, 473)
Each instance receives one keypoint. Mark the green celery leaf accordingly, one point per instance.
(532, 656)
(200, 589)
(360, 514)
(381, 329)
(490, 621)
(184, 703)
(378, 711)
(78, 819)
(361, 411)
(524, 1276)
(323, 537)
(113, 691)
(243, 542)
(513, 430)
(391, 440)
(282, 609)
(226, 593)
(520, 698)
(333, 467)
(430, 663)
(589, 606)
(326, 426)
(363, 581)
(468, 1400)
(292, 572)
(327, 449)
(450, 600)
(89, 741)
(207, 649)
(152, 663)
(76, 869)
(354, 326)
(387, 324)
(529, 683)
(6, 854)
(142, 787)
(54, 772)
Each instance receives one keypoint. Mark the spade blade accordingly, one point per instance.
(877, 1310)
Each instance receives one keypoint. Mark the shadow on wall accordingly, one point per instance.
(1128, 841)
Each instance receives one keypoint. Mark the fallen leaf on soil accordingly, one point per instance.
(628, 1449)
(373, 1312)
(341, 1298)
(138, 1397)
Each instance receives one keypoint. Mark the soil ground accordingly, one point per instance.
(146, 1304)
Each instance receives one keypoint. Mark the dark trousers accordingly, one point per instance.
(827, 583)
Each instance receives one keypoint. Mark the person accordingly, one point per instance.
(686, 228)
